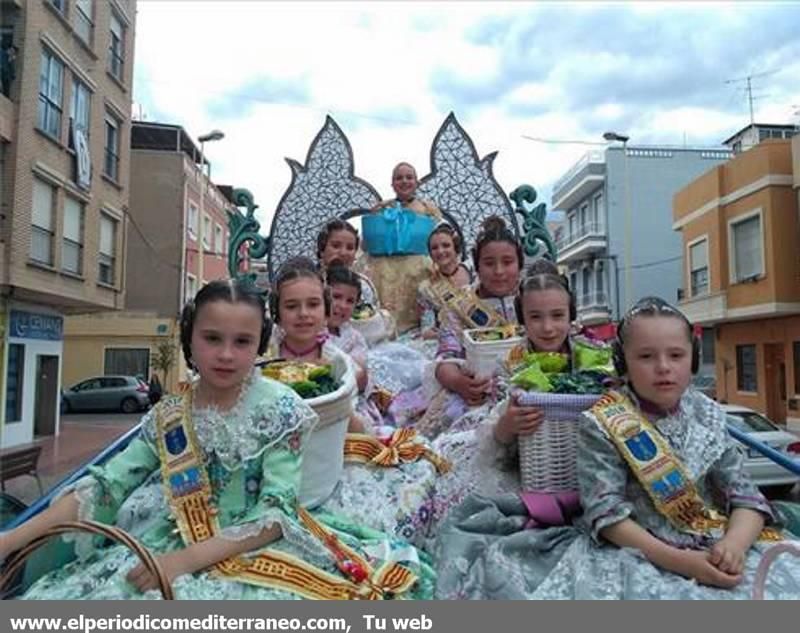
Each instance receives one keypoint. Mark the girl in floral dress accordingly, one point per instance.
(396, 499)
(228, 454)
(668, 510)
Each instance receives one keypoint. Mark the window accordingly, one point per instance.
(42, 222)
(571, 234)
(599, 282)
(125, 361)
(584, 217)
(698, 263)
(111, 163)
(72, 248)
(191, 287)
(597, 215)
(51, 84)
(192, 221)
(83, 20)
(116, 49)
(218, 239)
(796, 354)
(80, 108)
(60, 5)
(746, 377)
(107, 252)
(746, 248)
(708, 343)
(207, 237)
(14, 379)
(586, 282)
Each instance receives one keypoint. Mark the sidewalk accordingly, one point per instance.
(81, 438)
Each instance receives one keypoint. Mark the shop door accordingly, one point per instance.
(47, 396)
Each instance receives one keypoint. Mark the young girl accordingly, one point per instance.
(344, 289)
(338, 242)
(450, 388)
(449, 274)
(485, 458)
(669, 512)
(396, 499)
(226, 457)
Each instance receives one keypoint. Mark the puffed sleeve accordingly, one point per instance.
(602, 478)
(281, 470)
(101, 493)
(734, 485)
(449, 344)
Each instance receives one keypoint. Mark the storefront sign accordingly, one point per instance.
(45, 327)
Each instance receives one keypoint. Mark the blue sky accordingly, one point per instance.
(267, 73)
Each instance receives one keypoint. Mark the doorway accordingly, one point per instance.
(775, 378)
(46, 395)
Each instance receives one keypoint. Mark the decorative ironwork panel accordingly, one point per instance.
(463, 185)
(322, 189)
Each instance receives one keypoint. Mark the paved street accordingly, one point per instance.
(82, 436)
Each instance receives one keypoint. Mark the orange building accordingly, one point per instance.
(741, 238)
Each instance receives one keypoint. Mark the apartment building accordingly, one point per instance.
(618, 214)
(174, 209)
(740, 233)
(66, 70)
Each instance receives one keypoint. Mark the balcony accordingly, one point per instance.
(581, 179)
(593, 308)
(586, 239)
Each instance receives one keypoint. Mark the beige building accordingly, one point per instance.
(67, 69)
(167, 185)
(741, 234)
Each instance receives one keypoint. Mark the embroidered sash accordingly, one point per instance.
(188, 492)
(400, 448)
(465, 302)
(658, 469)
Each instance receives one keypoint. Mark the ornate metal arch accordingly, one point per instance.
(324, 188)
(460, 183)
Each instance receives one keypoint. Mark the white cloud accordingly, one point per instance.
(371, 66)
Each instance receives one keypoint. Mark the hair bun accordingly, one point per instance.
(494, 223)
(542, 266)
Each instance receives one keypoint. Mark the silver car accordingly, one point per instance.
(104, 393)
(762, 470)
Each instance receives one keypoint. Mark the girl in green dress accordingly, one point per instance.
(210, 488)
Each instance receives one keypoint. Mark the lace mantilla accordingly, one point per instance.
(255, 423)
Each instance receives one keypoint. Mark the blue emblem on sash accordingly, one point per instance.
(668, 485)
(642, 446)
(479, 317)
(175, 439)
(185, 482)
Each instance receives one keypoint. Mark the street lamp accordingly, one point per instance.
(628, 236)
(213, 135)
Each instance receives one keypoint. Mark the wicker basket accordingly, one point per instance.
(16, 562)
(376, 328)
(548, 456)
(323, 457)
(485, 357)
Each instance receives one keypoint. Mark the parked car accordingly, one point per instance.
(761, 469)
(103, 393)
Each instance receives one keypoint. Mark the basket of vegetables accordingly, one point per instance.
(330, 389)
(374, 323)
(487, 347)
(542, 379)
